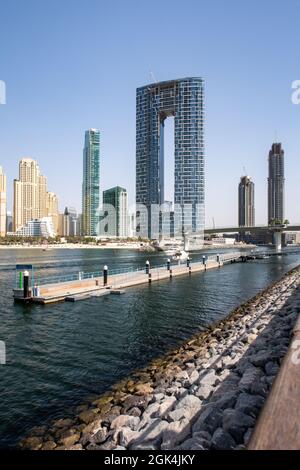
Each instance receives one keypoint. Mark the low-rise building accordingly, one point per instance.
(222, 241)
(291, 238)
(37, 228)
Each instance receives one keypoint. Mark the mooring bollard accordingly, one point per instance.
(150, 278)
(105, 275)
(168, 264)
(171, 273)
(147, 267)
(188, 262)
(26, 284)
(218, 260)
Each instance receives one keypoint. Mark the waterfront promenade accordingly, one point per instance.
(207, 394)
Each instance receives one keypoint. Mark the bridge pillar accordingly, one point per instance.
(277, 241)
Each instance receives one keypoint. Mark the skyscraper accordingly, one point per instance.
(117, 219)
(26, 193)
(183, 99)
(69, 223)
(52, 209)
(2, 203)
(276, 182)
(43, 212)
(31, 199)
(246, 202)
(9, 222)
(91, 183)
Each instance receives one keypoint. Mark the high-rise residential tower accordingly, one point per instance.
(26, 193)
(31, 199)
(43, 212)
(2, 203)
(276, 182)
(52, 209)
(115, 208)
(91, 183)
(246, 202)
(183, 99)
(9, 222)
(69, 223)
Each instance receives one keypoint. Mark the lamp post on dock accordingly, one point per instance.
(26, 284)
(147, 267)
(105, 275)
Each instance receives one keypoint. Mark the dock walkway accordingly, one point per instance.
(89, 284)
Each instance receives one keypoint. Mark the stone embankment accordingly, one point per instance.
(207, 394)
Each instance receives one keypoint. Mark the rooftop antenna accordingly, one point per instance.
(245, 170)
(275, 135)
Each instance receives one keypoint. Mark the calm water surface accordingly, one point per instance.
(60, 354)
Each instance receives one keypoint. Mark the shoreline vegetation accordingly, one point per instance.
(205, 394)
(118, 243)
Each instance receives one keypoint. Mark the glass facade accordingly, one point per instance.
(276, 184)
(91, 183)
(115, 212)
(183, 99)
(246, 202)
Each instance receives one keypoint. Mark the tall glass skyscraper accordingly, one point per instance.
(246, 202)
(183, 99)
(115, 207)
(276, 184)
(91, 183)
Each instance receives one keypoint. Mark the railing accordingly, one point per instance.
(79, 276)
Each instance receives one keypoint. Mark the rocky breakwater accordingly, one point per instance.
(207, 394)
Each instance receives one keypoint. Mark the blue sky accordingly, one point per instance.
(71, 64)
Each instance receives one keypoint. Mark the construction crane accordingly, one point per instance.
(152, 77)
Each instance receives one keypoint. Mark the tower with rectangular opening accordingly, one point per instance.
(183, 99)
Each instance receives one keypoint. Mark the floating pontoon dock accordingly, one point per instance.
(81, 286)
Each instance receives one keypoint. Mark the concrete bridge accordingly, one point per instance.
(276, 229)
